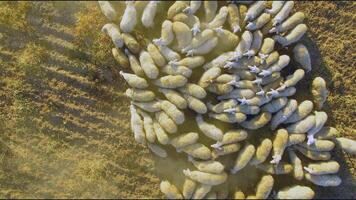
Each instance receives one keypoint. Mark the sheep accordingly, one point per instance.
(264, 187)
(246, 109)
(206, 178)
(184, 140)
(275, 105)
(244, 63)
(245, 84)
(327, 133)
(282, 62)
(292, 79)
(129, 18)
(219, 19)
(301, 56)
(298, 172)
(198, 150)
(276, 7)
(283, 114)
(303, 125)
(205, 48)
(157, 150)
(171, 81)
(269, 59)
(266, 48)
(257, 122)
(168, 53)
(191, 20)
(255, 46)
(296, 138)
(131, 43)
(134, 63)
(293, 36)
(108, 10)
(348, 145)
(182, 33)
(239, 195)
(210, 8)
(170, 190)
(289, 91)
(320, 120)
(193, 90)
(134, 80)
(201, 191)
(303, 110)
(262, 152)
(120, 58)
(319, 145)
(259, 22)
(199, 39)
(161, 135)
(220, 60)
(190, 62)
(238, 94)
(177, 70)
(209, 130)
(280, 142)
(229, 118)
(319, 92)
(226, 78)
(166, 122)
(244, 45)
(280, 168)
(225, 150)
(172, 111)
(313, 155)
(290, 23)
(233, 18)
(226, 39)
(148, 65)
(193, 7)
(322, 168)
(221, 106)
(176, 7)
(243, 158)
(137, 126)
(327, 180)
(152, 106)
(149, 14)
(174, 97)
(189, 187)
(283, 13)
(195, 104)
(231, 136)
(270, 79)
(156, 55)
(167, 35)
(210, 166)
(208, 76)
(140, 95)
(255, 10)
(114, 33)
(296, 192)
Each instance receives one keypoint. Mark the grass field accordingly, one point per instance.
(64, 121)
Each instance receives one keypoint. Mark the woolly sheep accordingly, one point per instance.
(303, 110)
(108, 10)
(219, 19)
(201, 191)
(182, 33)
(170, 190)
(166, 122)
(198, 150)
(161, 135)
(193, 90)
(206, 178)
(148, 65)
(167, 35)
(190, 62)
(199, 39)
(319, 92)
(210, 166)
(267, 47)
(348, 145)
(293, 36)
(259, 22)
(121, 58)
(176, 8)
(174, 97)
(131, 43)
(195, 104)
(293, 79)
(171, 81)
(225, 150)
(137, 125)
(290, 23)
(222, 105)
(205, 48)
(129, 18)
(149, 14)
(156, 55)
(314, 155)
(257, 122)
(134, 64)
(255, 10)
(220, 60)
(244, 156)
(256, 45)
(298, 172)
(172, 111)
(283, 13)
(280, 142)
(276, 7)
(140, 95)
(296, 192)
(246, 109)
(283, 114)
(184, 140)
(219, 88)
(233, 17)
(319, 145)
(229, 118)
(244, 45)
(226, 39)
(320, 120)
(301, 55)
(208, 76)
(264, 187)
(177, 70)
(208, 129)
(210, 8)
(114, 33)
(275, 105)
(280, 168)
(327, 180)
(262, 152)
(188, 188)
(193, 7)
(231, 136)
(157, 150)
(322, 168)
(302, 126)
(134, 80)
(296, 138)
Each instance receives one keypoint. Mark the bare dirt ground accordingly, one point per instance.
(64, 136)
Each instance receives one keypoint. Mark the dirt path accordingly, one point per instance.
(66, 137)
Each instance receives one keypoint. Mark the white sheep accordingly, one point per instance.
(129, 18)
(208, 129)
(206, 178)
(243, 158)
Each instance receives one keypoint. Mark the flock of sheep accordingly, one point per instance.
(247, 84)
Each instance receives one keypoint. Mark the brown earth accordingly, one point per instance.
(64, 135)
